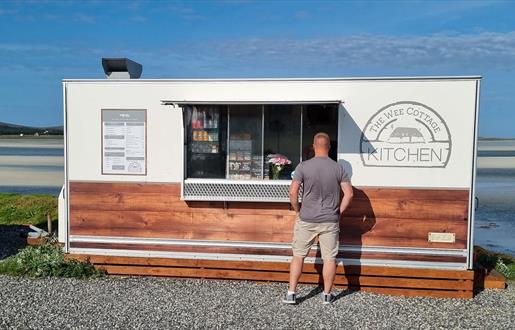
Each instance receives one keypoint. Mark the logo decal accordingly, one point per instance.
(406, 134)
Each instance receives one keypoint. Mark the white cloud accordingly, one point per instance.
(184, 12)
(356, 54)
(16, 47)
(487, 49)
(139, 19)
(443, 8)
(4, 11)
(84, 18)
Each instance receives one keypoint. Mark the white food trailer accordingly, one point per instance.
(178, 168)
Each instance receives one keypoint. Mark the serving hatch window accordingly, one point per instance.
(241, 142)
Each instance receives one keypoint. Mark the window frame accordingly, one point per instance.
(188, 105)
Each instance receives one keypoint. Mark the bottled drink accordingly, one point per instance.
(194, 118)
(215, 120)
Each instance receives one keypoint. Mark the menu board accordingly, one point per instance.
(124, 142)
(240, 157)
(257, 167)
(243, 165)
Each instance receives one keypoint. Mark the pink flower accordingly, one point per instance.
(279, 160)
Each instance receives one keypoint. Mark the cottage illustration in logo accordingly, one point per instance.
(406, 134)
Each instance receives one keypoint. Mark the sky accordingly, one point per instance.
(43, 42)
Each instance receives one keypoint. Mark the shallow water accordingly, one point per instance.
(45, 168)
(26, 190)
(14, 151)
(495, 215)
(495, 188)
(496, 153)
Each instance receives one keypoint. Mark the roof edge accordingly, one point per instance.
(477, 77)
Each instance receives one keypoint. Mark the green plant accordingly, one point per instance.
(503, 263)
(47, 260)
(508, 271)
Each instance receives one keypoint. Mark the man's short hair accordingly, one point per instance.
(322, 139)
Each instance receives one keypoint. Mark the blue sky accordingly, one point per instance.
(42, 42)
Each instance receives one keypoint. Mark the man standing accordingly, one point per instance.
(322, 179)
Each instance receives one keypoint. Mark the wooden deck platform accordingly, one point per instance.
(383, 280)
(488, 279)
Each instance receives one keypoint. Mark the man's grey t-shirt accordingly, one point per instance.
(321, 178)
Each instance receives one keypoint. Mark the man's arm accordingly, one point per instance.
(294, 195)
(347, 195)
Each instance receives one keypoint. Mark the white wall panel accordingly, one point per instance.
(453, 100)
(164, 125)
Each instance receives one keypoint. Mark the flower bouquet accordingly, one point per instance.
(278, 162)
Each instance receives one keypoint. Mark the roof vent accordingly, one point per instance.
(121, 68)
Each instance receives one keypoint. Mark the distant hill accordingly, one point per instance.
(13, 129)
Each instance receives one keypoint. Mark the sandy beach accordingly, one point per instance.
(496, 162)
(16, 176)
(496, 145)
(31, 142)
(496, 154)
(31, 161)
(34, 161)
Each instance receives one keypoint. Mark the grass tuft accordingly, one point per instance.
(16, 209)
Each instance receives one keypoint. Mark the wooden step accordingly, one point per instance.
(384, 280)
(495, 280)
(488, 279)
(36, 241)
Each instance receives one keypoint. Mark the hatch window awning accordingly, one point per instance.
(265, 102)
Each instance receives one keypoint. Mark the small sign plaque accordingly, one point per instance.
(442, 237)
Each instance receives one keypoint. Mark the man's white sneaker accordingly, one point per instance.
(290, 299)
(327, 298)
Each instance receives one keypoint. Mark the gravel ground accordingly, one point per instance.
(132, 302)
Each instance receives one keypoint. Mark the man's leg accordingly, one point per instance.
(329, 243)
(295, 272)
(329, 272)
(303, 239)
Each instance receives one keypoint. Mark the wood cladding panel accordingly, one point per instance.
(400, 232)
(263, 228)
(408, 209)
(380, 208)
(183, 225)
(360, 207)
(376, 217)
(172, 189)
(412, 194)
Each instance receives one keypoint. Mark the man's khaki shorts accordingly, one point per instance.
(305, 233)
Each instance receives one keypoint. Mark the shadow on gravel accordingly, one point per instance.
(314, 292)
(318, 290)
(12, 238)
(342, 294)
